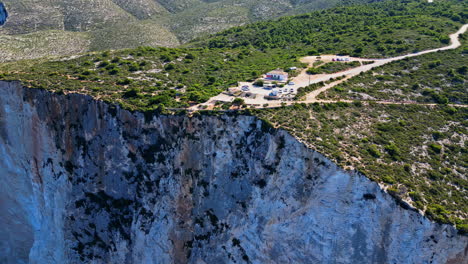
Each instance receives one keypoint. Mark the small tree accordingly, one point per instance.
(169, 67)
(114, 71)
(259, 83)
(313, 52)
(211, 80)
(393, 151)
(238, 102)
(313, 71)
(131, 93)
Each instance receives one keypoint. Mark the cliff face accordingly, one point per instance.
(85, 182)
(3, 14)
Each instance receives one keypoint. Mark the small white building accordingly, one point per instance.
(277, 75)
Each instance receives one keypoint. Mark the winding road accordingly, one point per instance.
(454, 43)
(300, 81)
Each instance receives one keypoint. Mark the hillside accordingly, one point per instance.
(49, 27)
(178, 77)
(348, 30)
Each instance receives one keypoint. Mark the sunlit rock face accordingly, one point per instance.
(86, 182)
(3, 14)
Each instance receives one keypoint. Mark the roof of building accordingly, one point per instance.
(278, 72)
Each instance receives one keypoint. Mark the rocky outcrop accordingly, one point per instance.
(3, 14)
(87, 182)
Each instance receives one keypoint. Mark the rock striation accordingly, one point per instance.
(3, 14)
(88, 182)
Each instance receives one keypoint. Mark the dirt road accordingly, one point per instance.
(454, 43)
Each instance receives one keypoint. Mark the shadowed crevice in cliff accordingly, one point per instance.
(3, 14)
(119, 187)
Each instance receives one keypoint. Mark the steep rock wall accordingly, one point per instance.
(3, 14)
(86, 182)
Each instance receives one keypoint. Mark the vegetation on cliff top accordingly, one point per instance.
(145, 78)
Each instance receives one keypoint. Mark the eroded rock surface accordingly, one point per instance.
(86, 182)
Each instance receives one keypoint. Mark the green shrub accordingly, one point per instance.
(133, 67)
(436, 148)
(259, 83)
(169, 67)
(388, 179)
(238, 101)
(415, 196)
(131, 93)
(393, 150)
(103, 64)
(114, 71)
(125, 81)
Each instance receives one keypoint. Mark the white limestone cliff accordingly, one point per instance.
(86, 182)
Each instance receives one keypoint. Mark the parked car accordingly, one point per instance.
(291, 83)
